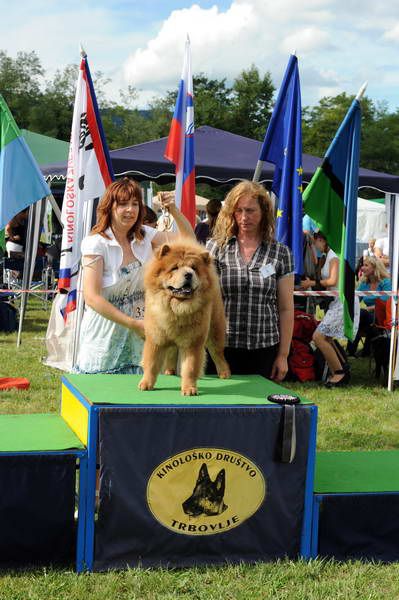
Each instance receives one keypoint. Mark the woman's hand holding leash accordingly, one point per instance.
(167, 201)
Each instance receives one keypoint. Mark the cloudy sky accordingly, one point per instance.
(339, 43)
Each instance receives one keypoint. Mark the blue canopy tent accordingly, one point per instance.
(220, 157)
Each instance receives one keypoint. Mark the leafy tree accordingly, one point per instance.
(320, 122)
(212, 102)
(251, 105)
(380, 144)
(20, 84)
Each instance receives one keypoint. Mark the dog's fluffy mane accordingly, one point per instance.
(180, 253)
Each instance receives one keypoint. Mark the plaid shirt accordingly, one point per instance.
(250, 291)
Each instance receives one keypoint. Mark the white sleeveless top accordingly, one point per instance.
(325, 271)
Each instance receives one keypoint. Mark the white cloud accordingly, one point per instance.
(392, 34)
(225, 42)
(307, 40)
(340, 43)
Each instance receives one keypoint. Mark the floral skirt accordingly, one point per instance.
(332, 324)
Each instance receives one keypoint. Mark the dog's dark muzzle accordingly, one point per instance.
(183, 292)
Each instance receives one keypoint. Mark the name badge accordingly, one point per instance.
(267, 270)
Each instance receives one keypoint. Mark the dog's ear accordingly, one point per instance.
(163, 251)
(203, 474)
(220, 481)
(206, 257)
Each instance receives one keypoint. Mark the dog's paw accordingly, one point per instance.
(189, 390)
(170, 372)
(225, 374)
(145, 385)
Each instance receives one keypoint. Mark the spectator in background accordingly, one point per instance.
(371, 248)
(374, 277)
(381, 249)
(332, 325)
(308, 225)
(15, 234)
(204, 230)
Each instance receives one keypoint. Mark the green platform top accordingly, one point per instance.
(351, 472)
(36, 433)
(122, 389)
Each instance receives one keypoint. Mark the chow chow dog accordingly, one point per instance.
(207, 496)
(183, 309)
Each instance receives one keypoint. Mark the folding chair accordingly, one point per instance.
(12, 276)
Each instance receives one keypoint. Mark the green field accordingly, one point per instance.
(363, 416)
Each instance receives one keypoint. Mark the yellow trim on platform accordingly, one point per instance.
(75, 414)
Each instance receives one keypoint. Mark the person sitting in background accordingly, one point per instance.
(15, 234)
(150, 217)
(381, 250)
(204, 230)
(332, 324)
(371, 248)
(375, 277)
(308, 225)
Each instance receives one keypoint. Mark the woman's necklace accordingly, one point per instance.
(248, 248)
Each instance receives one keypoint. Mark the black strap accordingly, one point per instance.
(286, 440)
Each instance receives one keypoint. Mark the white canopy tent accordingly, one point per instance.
(371, 220)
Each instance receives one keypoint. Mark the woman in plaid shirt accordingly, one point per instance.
(257, 281)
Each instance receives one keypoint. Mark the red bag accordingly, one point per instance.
(301, 361)
(304, 326)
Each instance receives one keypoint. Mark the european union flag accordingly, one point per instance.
(283, 147)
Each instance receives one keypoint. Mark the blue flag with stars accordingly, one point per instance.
(282, 146)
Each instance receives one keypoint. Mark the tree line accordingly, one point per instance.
(244, 107)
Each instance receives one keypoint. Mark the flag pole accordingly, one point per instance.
(360, 93)
(393, 245)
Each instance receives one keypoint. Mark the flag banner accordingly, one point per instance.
(282, 146)
(180, 144)
(89, 172)
(331, 200)
(21, 182)
(185, 486)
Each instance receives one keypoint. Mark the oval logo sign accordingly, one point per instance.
(204, 491)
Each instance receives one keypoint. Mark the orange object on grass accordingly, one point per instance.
(8, 383)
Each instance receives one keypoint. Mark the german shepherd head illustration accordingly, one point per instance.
(207, 496)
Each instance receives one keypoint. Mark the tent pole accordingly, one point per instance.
(55, 207)
(394, 264)
(30, 252)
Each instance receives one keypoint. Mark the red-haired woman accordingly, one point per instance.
(113, 256)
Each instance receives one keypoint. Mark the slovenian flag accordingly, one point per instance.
(180, 144)
(89, 172)
(331, 200)
(21, 182)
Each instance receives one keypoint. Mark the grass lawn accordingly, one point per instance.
(363, 416)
